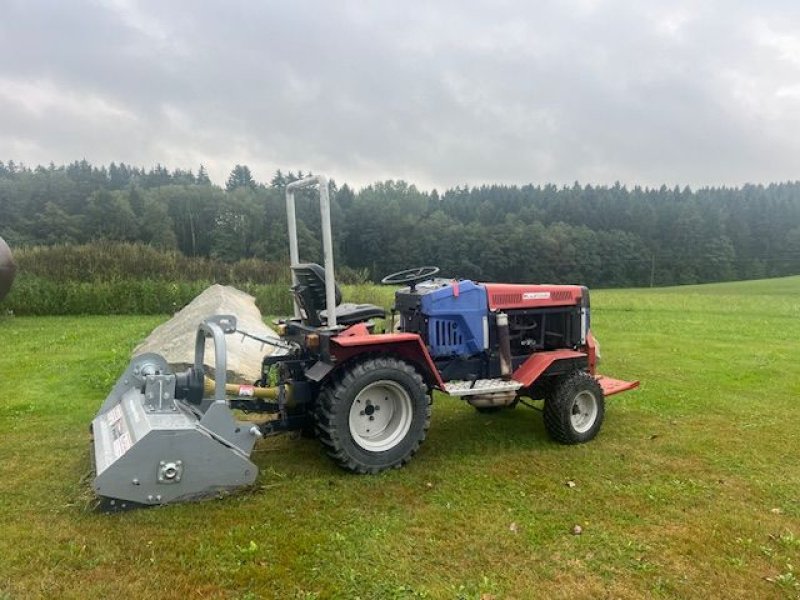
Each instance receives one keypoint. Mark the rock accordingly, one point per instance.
(577, 530)
(570, 484)
(8, 268)
(174, 340)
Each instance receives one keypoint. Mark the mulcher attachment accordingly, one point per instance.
(157, 440)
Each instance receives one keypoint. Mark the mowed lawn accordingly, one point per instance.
(691, 490)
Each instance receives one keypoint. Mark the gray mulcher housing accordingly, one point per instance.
(153, 448)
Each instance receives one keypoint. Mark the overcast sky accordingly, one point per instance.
(437, 93)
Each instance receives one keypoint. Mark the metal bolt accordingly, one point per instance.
(371, 418)
(377, 407)
(361, 413)
(158, 497)
(150, 498)
(161, 464)
(135, 481)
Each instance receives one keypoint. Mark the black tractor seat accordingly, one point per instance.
(348, 313)
(310, 294)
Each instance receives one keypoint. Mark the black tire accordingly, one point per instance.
(387, 383)
(574, 411)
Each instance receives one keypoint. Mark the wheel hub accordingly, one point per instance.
(380, 416)
(584, 412)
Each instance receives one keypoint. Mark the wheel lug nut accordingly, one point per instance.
(371, 418)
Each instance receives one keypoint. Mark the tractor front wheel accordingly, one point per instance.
(374, 415)
(574, 409)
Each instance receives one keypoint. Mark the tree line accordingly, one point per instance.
(596, 235)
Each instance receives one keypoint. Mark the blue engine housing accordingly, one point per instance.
(457, 321)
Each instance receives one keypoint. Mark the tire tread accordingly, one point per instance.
(333, 396)
(558, 404)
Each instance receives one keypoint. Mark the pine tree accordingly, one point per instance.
(240, 177)
(202, 176)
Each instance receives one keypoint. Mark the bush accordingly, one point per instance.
(38, 296)
(110, 261)
(119, 278)
(33, 295)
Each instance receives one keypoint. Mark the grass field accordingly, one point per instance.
(691, 490)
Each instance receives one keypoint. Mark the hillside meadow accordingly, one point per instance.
(692, 488)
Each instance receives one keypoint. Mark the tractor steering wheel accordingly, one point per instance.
(410, 276)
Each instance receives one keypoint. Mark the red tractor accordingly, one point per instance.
(367, 396)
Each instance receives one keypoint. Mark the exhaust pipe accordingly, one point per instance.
(504, 343)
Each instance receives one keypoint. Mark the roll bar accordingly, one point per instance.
(327, 242)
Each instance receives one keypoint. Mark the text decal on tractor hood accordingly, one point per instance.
(536, 296)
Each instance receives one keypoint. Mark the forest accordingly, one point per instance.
(601, 236)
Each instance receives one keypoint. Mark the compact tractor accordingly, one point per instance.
(164, 436)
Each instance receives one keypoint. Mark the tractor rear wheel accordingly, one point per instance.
(374, 415)
(574, 409)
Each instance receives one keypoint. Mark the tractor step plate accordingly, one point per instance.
(481, 386)
(612, 386)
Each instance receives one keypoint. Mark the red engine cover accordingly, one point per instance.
(510, 295)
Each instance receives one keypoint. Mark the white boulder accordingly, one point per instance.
(175, 339)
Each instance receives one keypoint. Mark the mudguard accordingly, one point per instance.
(533, 368)
(408, 346)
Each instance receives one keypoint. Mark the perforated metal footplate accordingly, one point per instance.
(481, 386)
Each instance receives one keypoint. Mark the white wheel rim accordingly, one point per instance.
(380, 416)
(584, 412)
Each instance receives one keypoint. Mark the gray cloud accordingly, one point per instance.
(440, 94)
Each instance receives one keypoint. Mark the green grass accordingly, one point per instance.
(692, 488)
(36, 296)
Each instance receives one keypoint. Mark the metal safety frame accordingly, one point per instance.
(327, 240)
